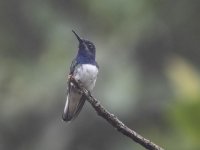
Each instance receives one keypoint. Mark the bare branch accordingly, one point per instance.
(114, 121)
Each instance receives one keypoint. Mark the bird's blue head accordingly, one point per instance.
(86, 52)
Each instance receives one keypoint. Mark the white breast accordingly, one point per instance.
(87, 74)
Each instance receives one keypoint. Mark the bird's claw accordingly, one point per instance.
(70, 77)
(78, 82)
(73, 80)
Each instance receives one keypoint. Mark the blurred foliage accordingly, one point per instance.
(186, 119)
(148, 52)
(185, 112)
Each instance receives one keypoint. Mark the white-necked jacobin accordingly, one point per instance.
(84, 69)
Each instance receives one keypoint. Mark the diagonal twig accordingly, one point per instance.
(114, 121)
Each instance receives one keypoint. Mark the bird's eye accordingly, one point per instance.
(90, 46)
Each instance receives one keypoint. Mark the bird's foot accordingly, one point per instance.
(77, 83)
(71, 80)
(70, 77)
(74, 81)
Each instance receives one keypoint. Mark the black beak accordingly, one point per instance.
(79, 39)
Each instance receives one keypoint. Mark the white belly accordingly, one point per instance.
(87, 75)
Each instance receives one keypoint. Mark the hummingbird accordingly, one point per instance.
(83, 69)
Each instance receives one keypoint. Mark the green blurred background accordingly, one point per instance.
(149, 58)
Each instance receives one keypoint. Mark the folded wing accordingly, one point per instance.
(74, 103)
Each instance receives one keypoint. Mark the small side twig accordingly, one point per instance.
(115, 122)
